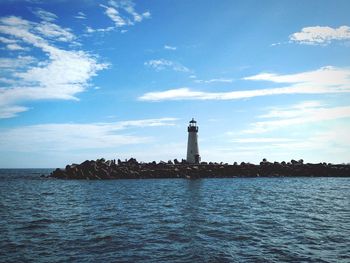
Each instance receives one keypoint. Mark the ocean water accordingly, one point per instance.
(173, 220)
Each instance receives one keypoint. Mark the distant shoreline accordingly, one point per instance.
(131, 169)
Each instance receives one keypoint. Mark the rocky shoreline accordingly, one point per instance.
(132, 169)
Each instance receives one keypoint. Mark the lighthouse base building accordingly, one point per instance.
(192, 143)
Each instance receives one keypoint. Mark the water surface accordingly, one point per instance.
(174, 220)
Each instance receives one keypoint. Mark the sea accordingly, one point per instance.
(173, 220)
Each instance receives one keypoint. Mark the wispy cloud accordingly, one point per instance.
(11, 44)
(129, 7)
(92, 30)
(163, 64)
(168, 47)
(331, 143)
(318, 35)
(321, 81)
(17, 63)
(276, 44)
(113, 14)
(261, 140)
(325, 78)
(15, 47)
(7, 40)
(122, 13)
(298, 114)
(70, 136)
(55, 32)
(44, 15)
(217, 80)
(296, 131)
(61, 74)
(80, 15)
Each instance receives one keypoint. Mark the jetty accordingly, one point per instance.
(132, 169)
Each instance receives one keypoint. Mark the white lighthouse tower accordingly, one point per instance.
(192, 144)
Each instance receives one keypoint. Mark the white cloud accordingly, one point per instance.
(218, 80)
(325, 76)
(129, 7)
(275, 44)
(309, 130)
(321, 81)
(330, 144)
(317, 35)
(44, 15)
(162, 64)
(295, 115)
(337, 137)
(80, 15)
(92, 30)
(19, 62)
(113, 14)
(60, 74)
(11, 110)
(69, 136)
(50, 30)
(7, 81)
(15, 47)
(7, 40)
(169, 47)
(146, 14)
(188, 94)
(295, 110)
(123, 13)
(262, 140)
(146, 123)
(173, 94)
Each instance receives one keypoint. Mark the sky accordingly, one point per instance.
(88, 79)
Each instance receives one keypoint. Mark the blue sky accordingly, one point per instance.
(122, 78)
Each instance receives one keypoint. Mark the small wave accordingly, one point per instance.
(42, 221)
(47, 193)
(35, 224)
(102, 238)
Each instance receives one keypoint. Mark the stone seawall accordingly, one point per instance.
(131, 169)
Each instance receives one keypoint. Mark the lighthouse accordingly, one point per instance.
(192, 144)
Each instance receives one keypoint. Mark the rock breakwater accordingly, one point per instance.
(132, 169)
